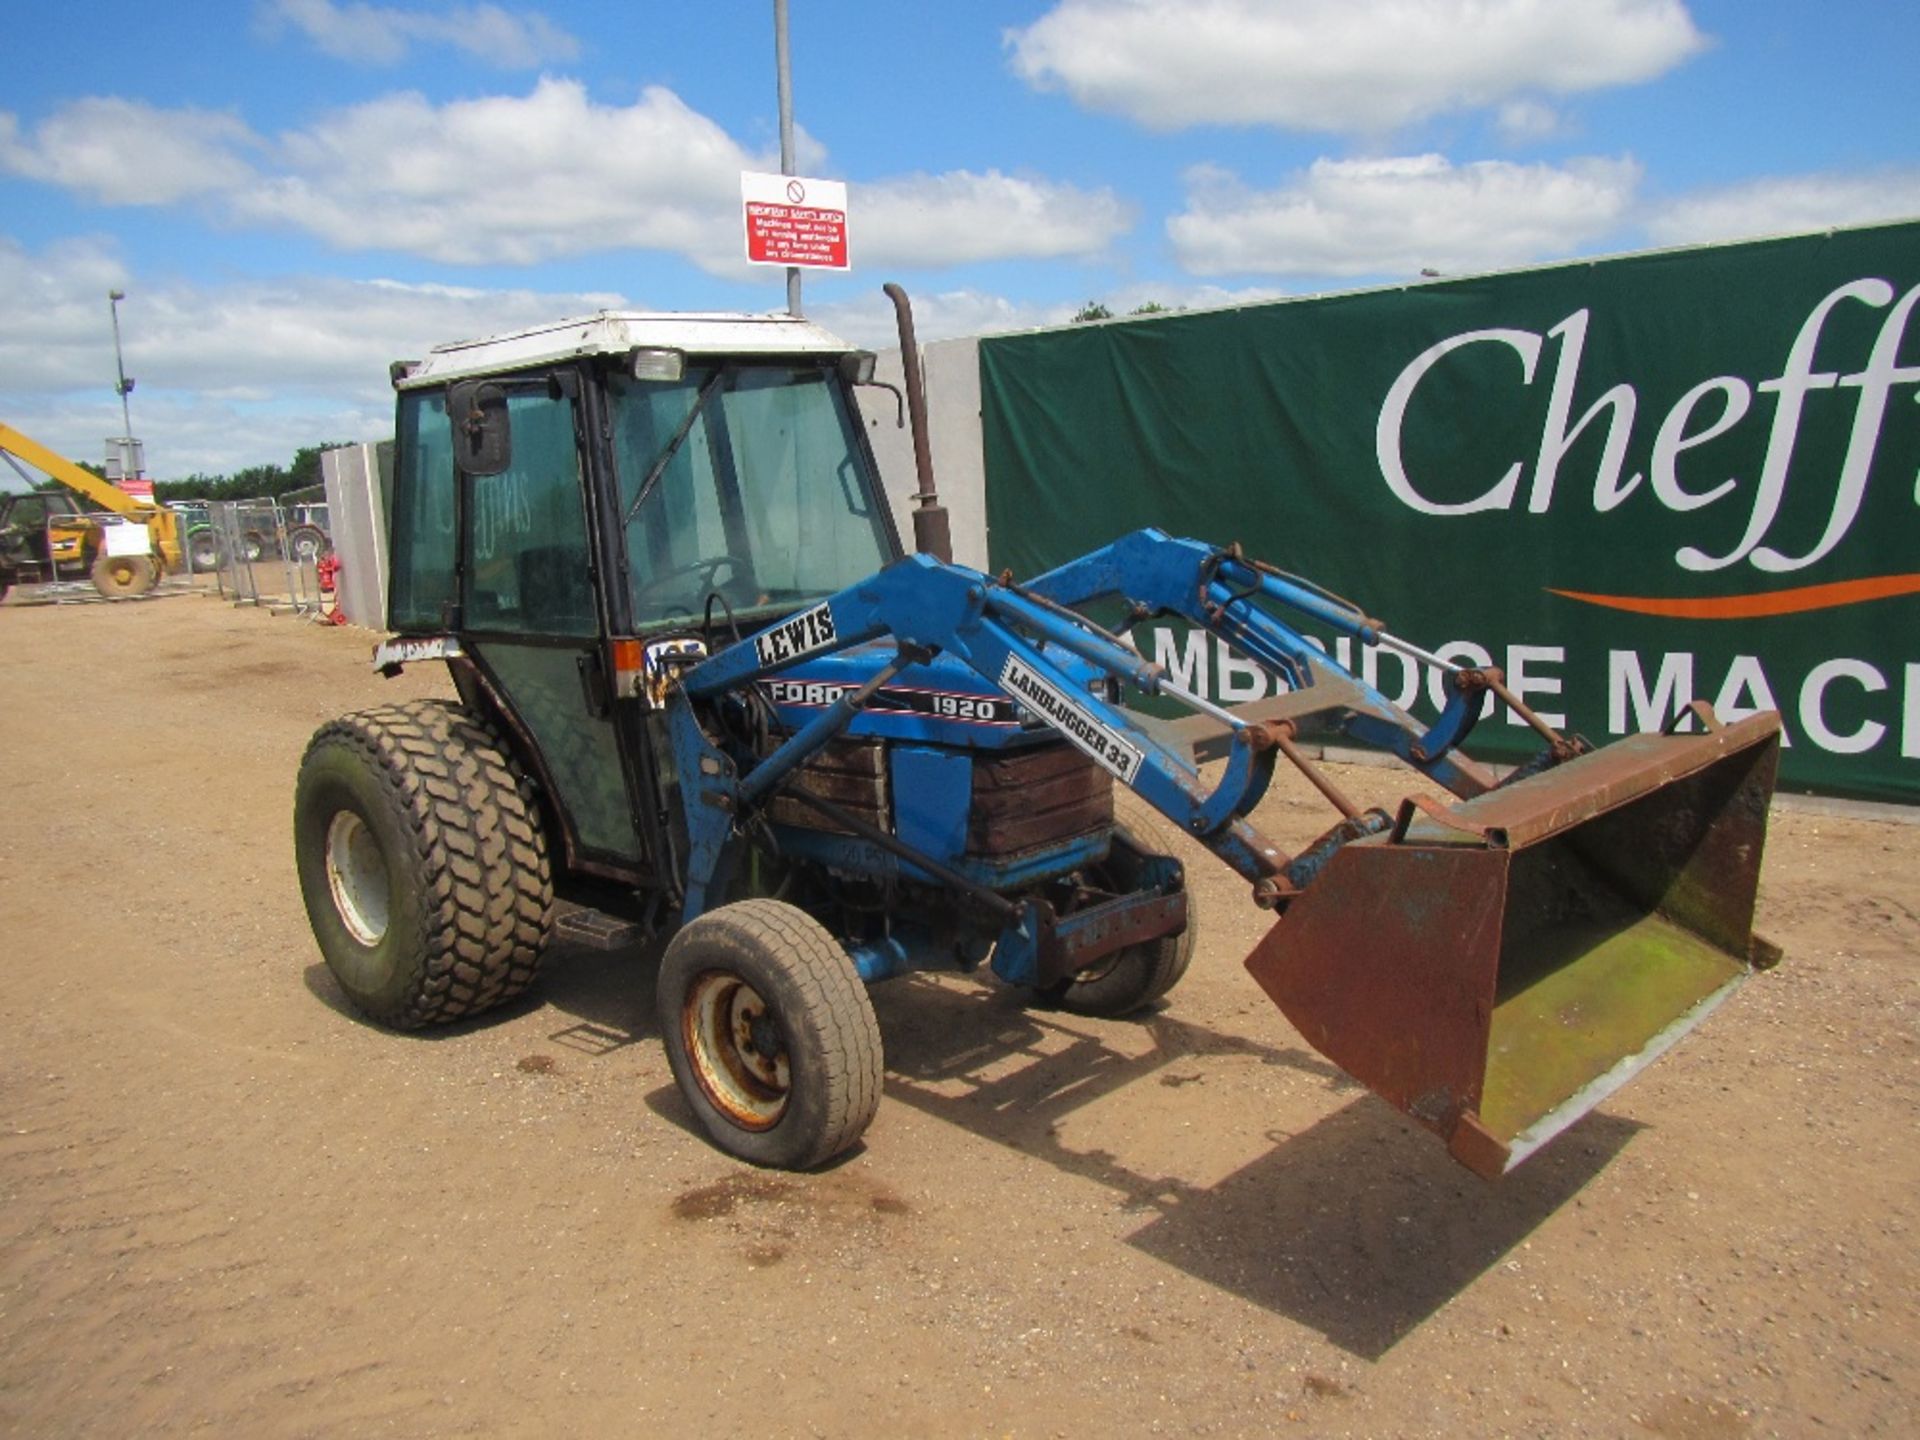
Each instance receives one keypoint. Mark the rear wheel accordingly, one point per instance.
(306, 543)
(122, 577)
(423, 863)
(1130, 979)
(203, 550)
(770, 1033)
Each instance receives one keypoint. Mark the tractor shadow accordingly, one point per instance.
(607, 993)
(601, 1000)
(1359, 1226)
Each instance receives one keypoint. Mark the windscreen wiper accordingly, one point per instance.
(672, 449)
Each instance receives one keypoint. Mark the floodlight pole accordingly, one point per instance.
(125, 387)
(783, 65)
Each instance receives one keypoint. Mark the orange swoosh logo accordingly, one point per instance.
(1751, 607)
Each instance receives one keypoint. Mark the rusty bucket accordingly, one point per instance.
(1498, 967)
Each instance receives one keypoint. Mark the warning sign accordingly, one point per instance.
(791, 220)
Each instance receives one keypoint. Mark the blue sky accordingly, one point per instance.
(294, 192)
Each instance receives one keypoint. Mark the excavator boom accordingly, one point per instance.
(162, 524)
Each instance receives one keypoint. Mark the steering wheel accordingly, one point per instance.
(708, 569)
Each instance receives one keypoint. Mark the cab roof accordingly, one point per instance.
(616, 332)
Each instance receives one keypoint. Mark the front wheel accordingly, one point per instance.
(1131, 979)
(770, 1034)
(122, 577)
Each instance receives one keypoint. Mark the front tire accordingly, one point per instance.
(124, 577)
(1131, 979)
(306, 543)
(770, 1034)
(423, 863)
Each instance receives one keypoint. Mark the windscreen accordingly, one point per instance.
(746, 483)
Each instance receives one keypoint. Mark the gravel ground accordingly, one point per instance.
(226, 1204)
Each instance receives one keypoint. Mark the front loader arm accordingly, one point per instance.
(1155, 574)
(1007, 632)
(928, 607)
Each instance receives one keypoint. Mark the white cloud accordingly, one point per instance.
(1340, 65)
(1398, 216)
(506, 179)
(126, 152)
(229, 375)
(382, 34)
(1527, 122)
(962, 217)
(1783, 204)
(58, 327)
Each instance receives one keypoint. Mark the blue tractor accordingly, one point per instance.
(705, 692)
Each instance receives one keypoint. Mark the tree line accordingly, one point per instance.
(255, 482)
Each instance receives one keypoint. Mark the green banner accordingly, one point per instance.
(1631, 483)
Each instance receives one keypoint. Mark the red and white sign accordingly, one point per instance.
(136, 489)
(795, 221)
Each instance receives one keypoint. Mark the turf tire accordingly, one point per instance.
(455, 855)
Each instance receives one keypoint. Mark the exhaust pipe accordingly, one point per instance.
(932, 535)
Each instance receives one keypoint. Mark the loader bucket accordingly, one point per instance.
(1497, 968)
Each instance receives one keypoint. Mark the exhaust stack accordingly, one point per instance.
(932, 535)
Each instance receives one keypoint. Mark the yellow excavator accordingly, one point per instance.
(61, 540)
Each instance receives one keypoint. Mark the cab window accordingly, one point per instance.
(528, 571)
(745, 491)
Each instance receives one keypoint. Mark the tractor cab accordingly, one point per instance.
(567, 495)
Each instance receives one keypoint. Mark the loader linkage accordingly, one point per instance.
(1437, 923)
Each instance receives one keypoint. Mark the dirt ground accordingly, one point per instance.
(228, 1205)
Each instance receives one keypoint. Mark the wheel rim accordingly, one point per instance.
(1101, 968)
(357, 878)
(738, 1050)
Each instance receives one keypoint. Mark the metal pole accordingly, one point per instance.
(125, 387)
(783, 65)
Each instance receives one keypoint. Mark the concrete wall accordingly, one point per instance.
(952, 372)
(356, 516)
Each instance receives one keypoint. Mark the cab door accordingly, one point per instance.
(530, 607)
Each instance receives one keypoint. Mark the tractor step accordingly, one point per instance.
(592, 929)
